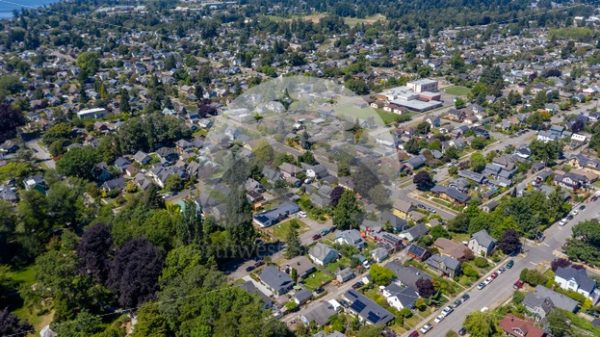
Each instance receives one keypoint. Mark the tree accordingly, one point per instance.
(477, 162)
(425, 287)
(423, 180)
(346, 214)
(134, 272)
(294, 246)
(124, 101)
(78, 162)
(11, 325)
(11, 118)
(480, 324)
(307, 157)
(381, 275)
(84, 325)
(545, 152)
(532, 277)
(559, 263)
(439, 232)
(510, 242)
(557, 324)
(189, 224)
(423, 128)
(94, 250)
(263, 153)
(174, 183)
(459, 103)
(336, 194)
(88, 63)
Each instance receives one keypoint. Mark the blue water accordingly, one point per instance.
(7, 8)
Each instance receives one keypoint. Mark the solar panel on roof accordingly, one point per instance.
(353, 294)
(373, 317)
(358, 306)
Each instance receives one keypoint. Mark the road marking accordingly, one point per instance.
(533, 263)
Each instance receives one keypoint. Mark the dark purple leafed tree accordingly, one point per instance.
(134, 272)
(11, 324)
(425, 287)
(510, 242)
(94, 252)
(559, 263)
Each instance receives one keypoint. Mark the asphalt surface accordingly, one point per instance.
(501, 290)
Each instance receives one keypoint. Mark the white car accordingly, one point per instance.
(425, 329)
(575, 211)
(563, 222)
(439, 318)
(447, 311)
(302, 214)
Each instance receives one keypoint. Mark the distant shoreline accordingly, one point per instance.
(6, 9)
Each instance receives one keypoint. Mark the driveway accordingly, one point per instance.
(501, 290)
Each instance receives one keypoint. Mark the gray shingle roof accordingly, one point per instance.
(484, 239)
(408, 276)
(579, 275)
(541, 294)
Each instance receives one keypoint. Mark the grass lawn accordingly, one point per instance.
(460, 237)
(338, 265)
(390, 117)
(317, 279)
(280, 231)
(457, 90)
(367, 21)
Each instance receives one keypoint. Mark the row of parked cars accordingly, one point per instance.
(495, 274)
(450, 309)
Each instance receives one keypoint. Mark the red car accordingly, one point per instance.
(316, 237)
(518, 284)
(494, 275)
(414, 334)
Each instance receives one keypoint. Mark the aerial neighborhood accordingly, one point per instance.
(255, 168)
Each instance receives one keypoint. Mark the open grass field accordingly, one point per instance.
(280, 230)
(457, 90)
(317, 279)
(316, 17)
(369, 20)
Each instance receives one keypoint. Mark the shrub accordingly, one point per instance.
(481, 262)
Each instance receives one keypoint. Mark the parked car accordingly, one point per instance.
(481, 285)
(575, 212)
(425, 328)
(302, 214)
(457, 303)
(594, 198)
(250, 268)
(582, 207)
(462, 331)
(357, 285)
(510, 264)
(494, 275)
(414, 334)
(570, 217)
(465, 297)
(316, 237)
(518, 284)
(563, 222)
(439, 318)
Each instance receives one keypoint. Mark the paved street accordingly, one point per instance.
(40, 153)
(501, 290)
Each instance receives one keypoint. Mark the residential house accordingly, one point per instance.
(577, 280)
(413, 164)
(142, 158)
(414, 233)
(444, 265)
(365, 309)
(399, 297)
(453, 249)
(379, 254)
(402, 208)
(516, 327)
(289, 171)
(471, 175)
(543, 300)
(302, 296)
(451, 194)
(580, 161)
(396, 223)
(320, 314)
(315, 171)
(36, 182)
(350, 237)
(121, 164)
(481, 243)
(277, 281)
(167, 155)
(570, 180)
(322, 254)
(418, 253)
(274, 216)
(407, 275)
(302, 266)
(250, 288)
(116, 184)
(344, 275)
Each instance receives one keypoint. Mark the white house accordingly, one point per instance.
(92, 113)
(322, 254)
(576, 280)
(481, 243)
(400, 297)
